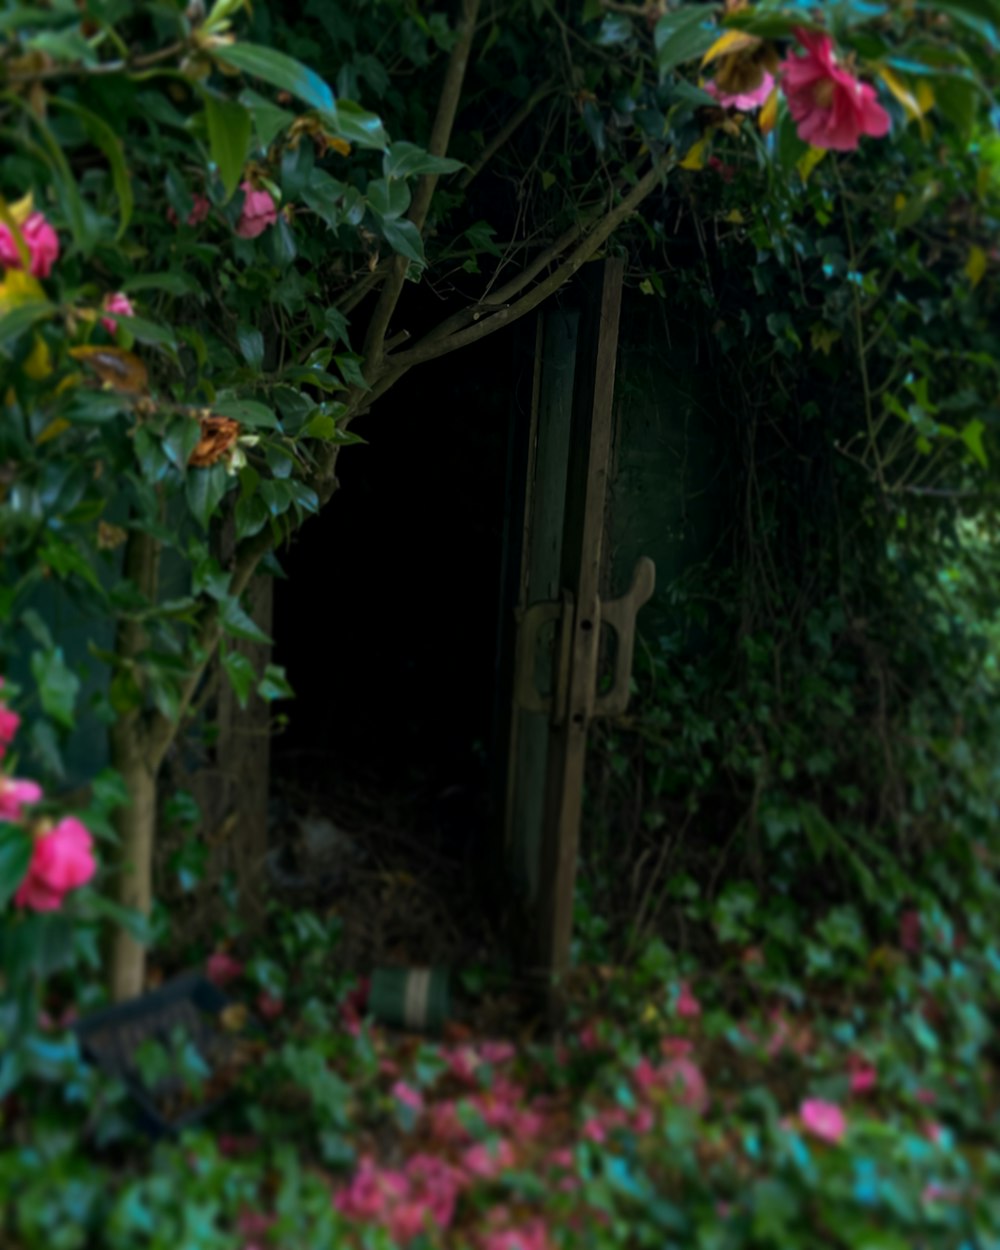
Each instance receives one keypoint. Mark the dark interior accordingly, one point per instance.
(386, 624)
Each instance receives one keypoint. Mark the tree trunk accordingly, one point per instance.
(136, 826)
(132, 756)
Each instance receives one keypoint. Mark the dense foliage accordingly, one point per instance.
(214, 260)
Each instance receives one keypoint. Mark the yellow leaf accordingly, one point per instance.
(901, 91)
(52, 430)
(807, 163)
(73, 379)
(234, 1017)
(22, 209)
(18, 287)
(341, 146)
(117, 369)
(823, 338)
(769, 113)
(735, 216)
(729, 42)
(899, 203)
(650, 1015)
(925, 96)
(695, 158)
(38, 363)
(976, 265)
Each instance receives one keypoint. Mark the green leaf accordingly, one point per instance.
(172, 283)
(247, 412)
(14, 323)
(615, 29)
(229, 126)
(145, 331)
(388, 198)
(103, 137)
(62, 176)
(404, 237)
(325, 196)
(241, 675)
(350, 369)
(405, 160)
(15, 856)
(269, 120)
(972, 437)
(274, 684)
(252, 346)
(980, 16)
(355, 124)
(58, 685)
(239, 624)
(335, 325)
(684, 35)
(280, 71)
(205, 491)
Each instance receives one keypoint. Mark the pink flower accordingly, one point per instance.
(408, 1096)
(15, 795)
(688, 1007)
(258, 213)
(439, 1182)
(496, 1053)
(201, 207)
(745, 101)
(118, 303)
(909, 931)
(269, 1006)
(222, 968)
(687, 1084)
(824, 1120)
(487, 1161)
(864, 1077)
(41, 241)
(530, 1236)
(830, 107)
(62, 860)
(371, 1191)
(593, 1130)
(10, 722)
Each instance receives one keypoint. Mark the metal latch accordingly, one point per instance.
(619, 614)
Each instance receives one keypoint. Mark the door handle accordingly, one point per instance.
(618, 614)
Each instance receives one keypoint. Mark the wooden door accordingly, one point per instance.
(562, 443)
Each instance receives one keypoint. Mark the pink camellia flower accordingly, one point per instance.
(530, 1236)
(688, 1006)
(15, 795)
(745, 101)
(259, 212)
(484, 1162)
(118, 303)
(864, 1077)
(10, 723)
(222, 968)
(41, 241)
(830, 107)
(201, 207)
(496, 1053)
(62, 860)
(269, 1006)
(408, 1096)
(824, 1120)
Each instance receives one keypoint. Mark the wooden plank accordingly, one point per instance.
(590, 454)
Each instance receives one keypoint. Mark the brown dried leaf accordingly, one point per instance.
(118, 369)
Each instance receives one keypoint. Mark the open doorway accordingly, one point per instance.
(388, 619)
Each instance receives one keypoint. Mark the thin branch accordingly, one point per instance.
(444, 121)
(506, 132)
(432, 346)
